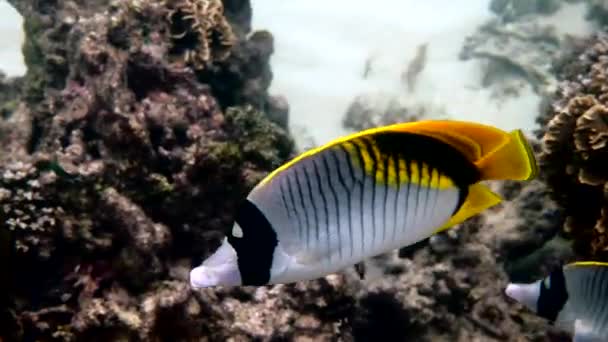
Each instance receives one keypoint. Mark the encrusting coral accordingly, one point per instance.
(576, 148)
(197, 25)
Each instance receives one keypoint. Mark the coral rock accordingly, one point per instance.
(575, 147)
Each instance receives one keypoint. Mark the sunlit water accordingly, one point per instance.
(322, 47)
(11, 33)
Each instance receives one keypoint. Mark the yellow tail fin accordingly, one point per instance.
(514, 160)
(479, 199)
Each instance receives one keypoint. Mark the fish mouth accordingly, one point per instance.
(510, 291)
(205, 276)
(202, 277)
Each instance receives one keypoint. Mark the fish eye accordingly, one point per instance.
(237, 232)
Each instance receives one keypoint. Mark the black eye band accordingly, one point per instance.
(552, 298)
(255, 249)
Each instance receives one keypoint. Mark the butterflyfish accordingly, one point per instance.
(363, 195)
(573, 297)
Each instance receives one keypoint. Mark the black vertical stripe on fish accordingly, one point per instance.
(255, 249)
(416, 165)
(348, 192)
(601, 316)
(553, 298)
(312, 202)
(408, 188)
(437, 178)
(427, 189)
(332, 189)
(397, 193)
(304, 211)
(604, 294)
(386, 161)
(374, 170)
(324, 200)
(293, 205)
(594, 287)
(283, 198)
(361, 197)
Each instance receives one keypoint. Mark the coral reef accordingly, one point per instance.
(371, 110)
(524, 42)
(575, 136)
(121, 165)
(10, 88)
(520, 50)
(365, 112)
(197, 26)
(509, 10)
(598, 11)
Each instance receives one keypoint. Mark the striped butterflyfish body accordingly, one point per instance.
(368, 193)
(364, 196)
(574, 298)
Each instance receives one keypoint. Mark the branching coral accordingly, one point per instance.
(576, 149)
(201, 33)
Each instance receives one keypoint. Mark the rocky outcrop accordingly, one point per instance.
(124, 162)
(521, 45)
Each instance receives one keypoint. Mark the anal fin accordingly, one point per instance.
(479, 199)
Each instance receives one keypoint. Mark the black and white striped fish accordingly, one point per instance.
(363, 195)
(574, 298)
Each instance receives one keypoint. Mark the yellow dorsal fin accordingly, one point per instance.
(514, 160)
(490, 146)
(587, 263)
(496, 153)
(472, 139)
(479, 199)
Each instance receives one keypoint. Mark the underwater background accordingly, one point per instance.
(131, 129)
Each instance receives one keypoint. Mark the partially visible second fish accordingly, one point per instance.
(364, 195)
(574, 298)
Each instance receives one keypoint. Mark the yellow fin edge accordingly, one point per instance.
(587, 263)
(479, 199)
(514, 160)
(516, 156)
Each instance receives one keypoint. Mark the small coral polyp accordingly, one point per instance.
(576, 149)
(201, 34)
